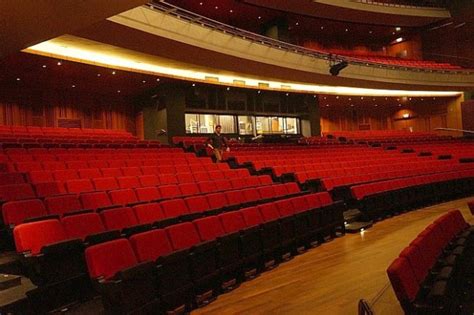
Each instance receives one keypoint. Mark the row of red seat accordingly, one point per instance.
(331, 183)
(71, 202)
(261, 240)
(80, 223)
(429, 276)
(385, 198)
(260, 234)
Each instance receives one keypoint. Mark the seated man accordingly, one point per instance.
(217, 142)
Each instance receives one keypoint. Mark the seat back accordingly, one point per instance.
(31, 237)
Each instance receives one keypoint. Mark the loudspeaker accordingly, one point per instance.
(335, 69)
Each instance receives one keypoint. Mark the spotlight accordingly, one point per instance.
(336, 68)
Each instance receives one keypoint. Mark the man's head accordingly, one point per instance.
(218, 128)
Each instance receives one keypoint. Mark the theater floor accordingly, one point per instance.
(332, 278)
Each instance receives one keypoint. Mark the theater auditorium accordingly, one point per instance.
(214, 157)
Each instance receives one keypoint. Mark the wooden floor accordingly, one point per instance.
(332, 278)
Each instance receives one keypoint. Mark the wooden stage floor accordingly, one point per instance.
(332, 278)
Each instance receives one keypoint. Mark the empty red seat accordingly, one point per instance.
(232, 221)
(65, 175)
(82, 225)
(169, 191)
(95, 200)
(79, 185)
(167, 179)
(149, 180)
(148, 213)
(16, 192)
(118, 218)
(174, 208)
(89, 173)
(207, 187)
(49, 189)
(40, 177)
(183, 235)
(151, 245)
(197, 204)
(189, 189)
(216, 200)
(123, 196)
(148, 193)
(106, 259)
(131, 171)
(62, 204)
(15, 212)
(105, 183)
(32, 237)
(111, 172)
(403, 281)
(128, 182)
(75, 165)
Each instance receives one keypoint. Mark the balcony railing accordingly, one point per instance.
(408, 3)
(203, 21)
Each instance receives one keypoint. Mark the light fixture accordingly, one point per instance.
(398, 28)
(228, 88)
(113, 72)
(18, 79)
(259, 17)
(322, 27)
(216, 7)
(399, 105)
(59, 63)
(398, 40)
(143, 81)
(194, 84)
(73, 86)
(98, 74)
(406, 115)
(259, 91)
(157, 79)
(44, 66)
(118, 91)
(231, 11)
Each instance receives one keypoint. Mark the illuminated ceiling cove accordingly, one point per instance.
(81, 50)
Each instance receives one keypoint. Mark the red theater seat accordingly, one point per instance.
(62, 204)
(119, 218)
(32, 237)
(95, 200)
(123, 197)
(15, 212)
(82, 225)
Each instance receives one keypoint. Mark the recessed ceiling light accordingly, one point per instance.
(200, 3)
(216, 7)
(259, 17)
(370, 32)
(337, 97)
(228, 88)
(347, 30)
(399, 105)
(361, 97)
(287, 94)
(231, 11)
(118, 91)
(44, 66)
(59, 63)
(398, 29)
(73, 86)
(297, 23)
(393, 33)
(194, 84)
(98, 74)
(325, 97)
(327, 105)
(113, 72)
(376, 105)
(157, 79)
(350, 99)
(400, 39)
(314, 96)
(18, 79)
(322, 27)
(259, 91)
(352, 105)
(143, 81)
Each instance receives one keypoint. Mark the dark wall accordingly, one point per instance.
(454, 42)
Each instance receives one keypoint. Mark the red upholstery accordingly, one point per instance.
(209, 228)
(183, 235)
(232, 221)
(95, 200)
(62, 204)
(33, 236)
(151, 245)
(82, 225)
(106, 259)
(148, 213)
(15, 212)
(119, 218)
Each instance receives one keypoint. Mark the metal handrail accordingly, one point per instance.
(438, 4)
(195, 18)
